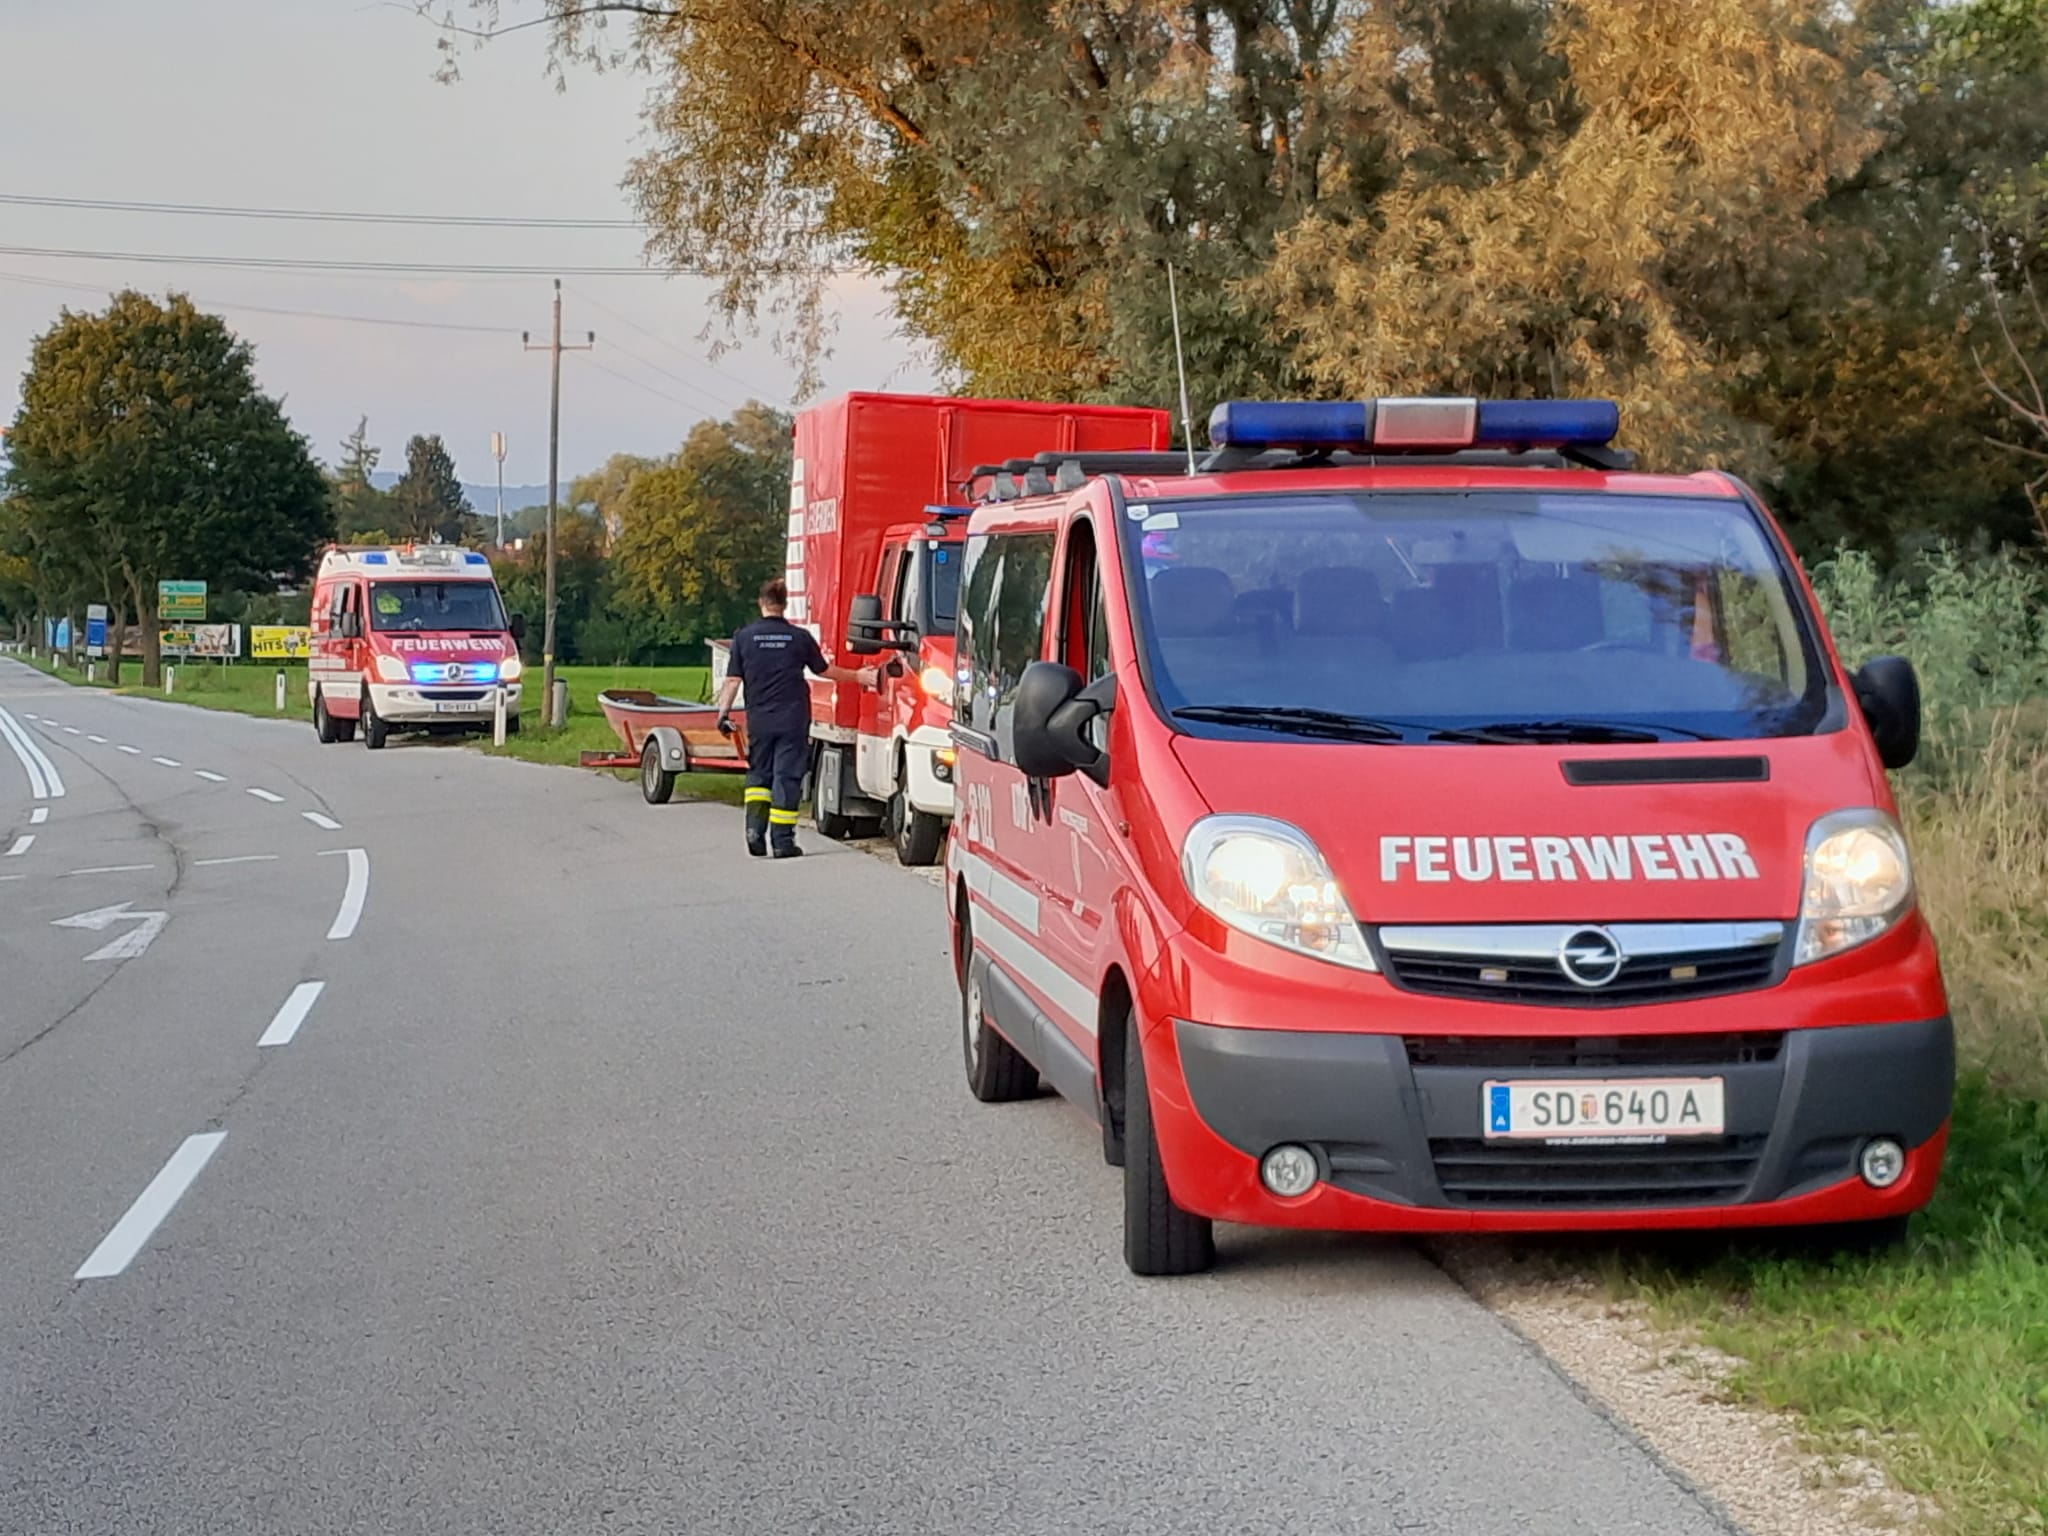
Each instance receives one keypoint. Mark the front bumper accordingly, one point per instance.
(464, 704)
(1396, 1128)
(927, 790)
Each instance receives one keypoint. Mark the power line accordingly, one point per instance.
(276, 309)
(307, 264)
(312, 215)
(642, 385)
(681, 351)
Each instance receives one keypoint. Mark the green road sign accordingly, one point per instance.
(181, 602)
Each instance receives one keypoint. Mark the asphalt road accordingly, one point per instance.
(615, 1182)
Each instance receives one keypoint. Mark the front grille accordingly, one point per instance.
(1533, 979)
(1547, 1053)
(1706, 1172)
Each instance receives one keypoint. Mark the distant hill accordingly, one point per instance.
(484, 498)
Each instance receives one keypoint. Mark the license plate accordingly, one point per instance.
(457, 708)
(1558, 1110)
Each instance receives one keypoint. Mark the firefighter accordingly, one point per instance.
(771, 658)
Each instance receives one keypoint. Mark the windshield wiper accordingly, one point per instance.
(1591, 732)
(1302, 722)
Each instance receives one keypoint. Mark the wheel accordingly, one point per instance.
(511, 725)
(344, 730)
(997, 1072)
(323, 723)
(656, 782)
(916, 834)
(833, 824)
(1847, 1238)
(375, 731)
(1159, 1237)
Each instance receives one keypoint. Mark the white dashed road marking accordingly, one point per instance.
(131, 751)
(324, 823)
(292, 1014)
(168, 762)
(119, 1247)
(21, 846)
(100, 739)
(72, 730)
(111, 869)
(211, 778)
(39, 815)
(352, 898)
(264, 794)
(240, 858)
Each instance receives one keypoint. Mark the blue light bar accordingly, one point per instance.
(475, 559)
(1291, 424)
(934, 509)
(379, 558)
(1430, 424)
(1547, 423)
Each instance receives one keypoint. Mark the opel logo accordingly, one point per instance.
(1591, 957)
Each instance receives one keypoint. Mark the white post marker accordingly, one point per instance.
(280, 690)
(292, 1014)
(119, 1247)
(90, 670)
(353, 895)
(170, 678)
(498, 716)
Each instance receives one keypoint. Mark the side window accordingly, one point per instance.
(909, 597)
(1002, 625)
(1084, 633)
(892, 584)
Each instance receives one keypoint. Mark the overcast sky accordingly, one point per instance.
(331, 105)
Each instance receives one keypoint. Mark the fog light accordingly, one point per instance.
(1288, 1170)
(1883, 1162)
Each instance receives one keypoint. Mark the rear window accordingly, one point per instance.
(1428, 612)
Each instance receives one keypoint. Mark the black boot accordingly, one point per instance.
(757, 830)
(785, 851)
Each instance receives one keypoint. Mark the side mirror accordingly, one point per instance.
(351, 625)
(1049, 726)
(517, 628)
(1889, 691)
(864, 625)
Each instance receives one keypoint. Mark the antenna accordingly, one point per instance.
(1180, 365)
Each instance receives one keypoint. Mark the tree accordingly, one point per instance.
(601, 491)
(428, 502)
(700, 532)
(362, 513)
(144, 451)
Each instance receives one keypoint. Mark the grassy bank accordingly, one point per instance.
(1933, 1358)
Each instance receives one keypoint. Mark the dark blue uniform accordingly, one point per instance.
(772, 658)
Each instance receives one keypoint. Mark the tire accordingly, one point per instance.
(324, 725)
(656, 782)
(918, 835)
(833, 824)
(512, 725)
(1159, 1237)
(375, 731)
(1843, 1239)
(997, 1072)
(344, 730)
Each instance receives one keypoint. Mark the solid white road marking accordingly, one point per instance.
(44, 782)
(131, 751)
(119, 1247)
(324, 823)
(39, 815)
(240, 858)
(264, 794)
(351, 911)
(131, 943)
(168, 762)
(110, 869)
(211, 778)
(22, 844)
(292, 1014)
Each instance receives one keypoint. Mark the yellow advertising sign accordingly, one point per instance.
(279, 642)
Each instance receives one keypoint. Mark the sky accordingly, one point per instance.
(331, 105)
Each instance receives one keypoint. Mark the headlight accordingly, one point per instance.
(1859, 881)
(392, 670)
(1267, 879)
(937, 682)
(509, 669)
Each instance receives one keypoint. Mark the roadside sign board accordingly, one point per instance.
(96, 629)
(280, 642)
(181, 602)
(223, 641)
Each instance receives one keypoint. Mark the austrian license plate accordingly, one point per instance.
(458, 707)
(1531, 1109)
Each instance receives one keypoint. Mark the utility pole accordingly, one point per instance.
(498, 453)
(555, 347)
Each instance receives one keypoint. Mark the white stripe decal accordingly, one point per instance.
(999, 890)
(1074, 999)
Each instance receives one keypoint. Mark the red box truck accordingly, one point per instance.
(874, 538)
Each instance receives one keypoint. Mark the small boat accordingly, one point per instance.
(664, 737)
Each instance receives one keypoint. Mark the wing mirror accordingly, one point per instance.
(1889, 691)
(1050, 724)
(351, 626)
(869, 634)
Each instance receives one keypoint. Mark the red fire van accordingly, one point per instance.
(1414, 819)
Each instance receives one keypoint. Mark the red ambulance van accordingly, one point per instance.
(1413, 819)
(411, 638)
(873, 568)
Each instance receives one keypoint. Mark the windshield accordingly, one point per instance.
(435, 605)
(1503, 615)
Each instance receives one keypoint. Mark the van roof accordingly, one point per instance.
(444, 561)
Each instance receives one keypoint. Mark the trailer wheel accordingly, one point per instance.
(323, 723)
(375, 731)
(1159, 1237)
(916, 834)
(997, 1072)
(656, 782)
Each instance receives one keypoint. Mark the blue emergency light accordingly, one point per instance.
(473, 558)
(1413, 424)
(935, 509)
(378, 558)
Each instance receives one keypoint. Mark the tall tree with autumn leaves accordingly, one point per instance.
(1772, 227)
